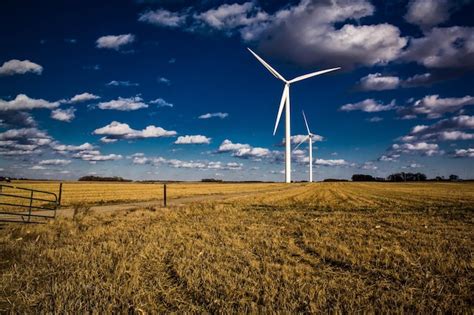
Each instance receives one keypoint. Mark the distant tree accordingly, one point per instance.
(453, 177)
(103, 179)
(406, 177)
(362, 178)
(211, 180)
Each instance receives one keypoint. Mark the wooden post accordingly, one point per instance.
(60, 194)
(164, 195)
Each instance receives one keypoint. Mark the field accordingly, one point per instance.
(307, 248)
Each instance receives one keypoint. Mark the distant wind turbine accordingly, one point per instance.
(309, 137)
(285, 99)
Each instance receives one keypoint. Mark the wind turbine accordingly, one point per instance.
(309, 137)
(285, 100)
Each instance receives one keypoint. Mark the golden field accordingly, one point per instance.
(306, 248)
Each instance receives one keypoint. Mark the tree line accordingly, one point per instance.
(402, 177)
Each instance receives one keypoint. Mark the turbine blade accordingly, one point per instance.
(306, 123)
(280, 109)
(302, 141)
(272, 71)
(309, 75)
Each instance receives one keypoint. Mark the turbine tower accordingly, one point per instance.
(285, 100)
(309, 137)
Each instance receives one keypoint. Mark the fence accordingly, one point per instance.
(19, 204)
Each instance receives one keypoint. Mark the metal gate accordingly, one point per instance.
(25, 205)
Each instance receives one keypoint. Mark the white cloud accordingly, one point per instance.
(434, 107)
(338, 162)
(378, 82)
(228, 146)
(428, 13)
(450, 47)
(309, 33)
(117, 130)
(375, 119)
(72, 148)
(161, 103)
(16, 66)
(83, 98)
(124, 104)
(107, 140)
(23, 102)
(121, 83)
(66, 115)
(114, 41)
(164, 80)
(464, 153)
(175, 163)
(194, 139)
(369, 106)
(96, 156)
(55, 162)
(37, 167)
(214, 115)
(23, 141)
(231, 16)
(424, 148)
(246, 151)
(449, 129)
(163, 18)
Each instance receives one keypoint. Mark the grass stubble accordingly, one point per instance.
(310, 248)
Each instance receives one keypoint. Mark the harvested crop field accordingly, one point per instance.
(350, 247)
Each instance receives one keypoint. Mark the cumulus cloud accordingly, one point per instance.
(23, 141)
(118, 130)
(246, 151)
(55, 162)
(23, 102)
(72, 148)
(428, 13)
(124, 104)
(194, 139)
(423, 148)
(16, 119)
(66, 115)
(449, 129)
(16, 66)
(163, 18)
(337, 162)
(107, 140)
(114, 41)
(296, 139)
(308, 33)
(369, 106)
(96, 156)
(378, 82)
(214, 115)
(175, 163)
(461, 153)
(161, 103)
(84, 97)
(449, 47)
(434, 107)
(121, 83)
(232, 16)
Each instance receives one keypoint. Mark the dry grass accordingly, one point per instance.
(312, 248)
(94, 193)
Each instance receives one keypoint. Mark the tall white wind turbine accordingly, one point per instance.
(285, 100)
(309, 137)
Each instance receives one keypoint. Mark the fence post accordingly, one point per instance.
(164, 195)
(31, 204)
(60, 194)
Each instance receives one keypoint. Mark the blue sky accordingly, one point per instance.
(153, 89)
